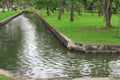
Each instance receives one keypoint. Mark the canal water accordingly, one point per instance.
(27, 47)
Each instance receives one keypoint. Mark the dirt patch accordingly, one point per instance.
(0, 9)
(95, 28)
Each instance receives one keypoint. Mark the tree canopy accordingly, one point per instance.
(103, 7)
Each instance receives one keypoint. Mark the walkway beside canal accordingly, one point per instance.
(21, 77)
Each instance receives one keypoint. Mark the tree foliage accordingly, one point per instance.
(103, 7)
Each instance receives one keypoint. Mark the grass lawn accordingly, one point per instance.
(2, 77)
(86, 28)
(7, 14)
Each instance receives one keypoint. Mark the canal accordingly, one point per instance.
(27, 47)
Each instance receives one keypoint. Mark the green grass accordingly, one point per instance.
(2, 77)
(86, 28)
(7, 14)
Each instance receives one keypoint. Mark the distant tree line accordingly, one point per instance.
(103, 7)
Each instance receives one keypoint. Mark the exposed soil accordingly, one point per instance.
(94, 28)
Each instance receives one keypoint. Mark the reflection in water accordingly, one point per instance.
(29, 48)
(31, 56)
(115, 68)
(86, 68)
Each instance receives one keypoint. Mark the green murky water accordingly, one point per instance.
(28, 47)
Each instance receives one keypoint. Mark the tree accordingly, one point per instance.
(117, 33)
(47, 4)
(39, 4)
(98, 8)
(84, 2)
(107, 9)
(3, 5)
(72, 11)
(78, 6)
(61, 8)
(0, 3)
(115, 6)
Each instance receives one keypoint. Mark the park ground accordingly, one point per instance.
(85, 29)
(2, 77)
(8, 14)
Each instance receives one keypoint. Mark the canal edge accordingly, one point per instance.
(81, 47)
(68, 43)
(61, 34)
(3, 22)
(22, 77)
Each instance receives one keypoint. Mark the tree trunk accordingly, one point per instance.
(92, 9)
(48, 11)
(108, 13)
(60, 13)
(8, 5)
(79, 12)
(99, 13)
(116, 6)
(108, 19)
(63, 10)
(72, 11)
(107, 8)
(3, 6)
(51, 9)
(40, 12)
(117, 33)
(92, 13)
(11, 3)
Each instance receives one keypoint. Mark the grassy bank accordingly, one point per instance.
(7, 14)
(2, 77)
(86, 28)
